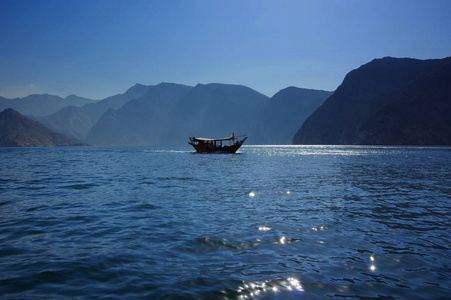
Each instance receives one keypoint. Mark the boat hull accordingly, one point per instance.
(223, 149)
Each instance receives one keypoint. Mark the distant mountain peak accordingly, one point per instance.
(78, 99)
(138, 90)
(294, 88)
(217, 84)
(137, 86)
(169, 84)
(41, 96)
(10, 112)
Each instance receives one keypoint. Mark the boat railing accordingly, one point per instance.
(231, 138)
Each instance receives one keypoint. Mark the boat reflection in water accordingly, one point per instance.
(225, 145)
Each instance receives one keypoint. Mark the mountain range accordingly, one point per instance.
(169, 113)
(42, 105)
(76, 121)
(389, 101)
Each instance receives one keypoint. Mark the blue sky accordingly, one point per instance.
(98, 48)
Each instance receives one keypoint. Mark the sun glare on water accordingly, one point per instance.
(269, 288)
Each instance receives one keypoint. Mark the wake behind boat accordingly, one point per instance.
(225, 145)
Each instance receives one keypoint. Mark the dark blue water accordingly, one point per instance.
(266, 223)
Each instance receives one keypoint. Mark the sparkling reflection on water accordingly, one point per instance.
(282, 222)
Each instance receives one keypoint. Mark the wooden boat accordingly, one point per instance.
(225, 145)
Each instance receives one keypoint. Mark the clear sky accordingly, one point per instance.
(98, 48)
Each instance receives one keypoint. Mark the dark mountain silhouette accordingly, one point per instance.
(78, 121)
(17, 130)
(387, 101)
(284, 114)
(42, 105)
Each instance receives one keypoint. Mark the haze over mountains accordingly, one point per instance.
(169, 113)
(285, 112)
(42, 105)
(386, 101)
(78, 121)
(17, 130)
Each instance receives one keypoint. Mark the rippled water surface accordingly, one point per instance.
(267, 223)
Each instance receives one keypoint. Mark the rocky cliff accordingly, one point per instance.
(389, 101)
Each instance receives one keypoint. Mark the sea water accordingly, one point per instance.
(270, 222)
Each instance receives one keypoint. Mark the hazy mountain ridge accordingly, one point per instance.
(17, 130)
(284, 114)
(78, 121)
(217, 110)
(71, 121)
(387, 101)
(96, 110)
(43, 104)
(150, 119)
(169, 113)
